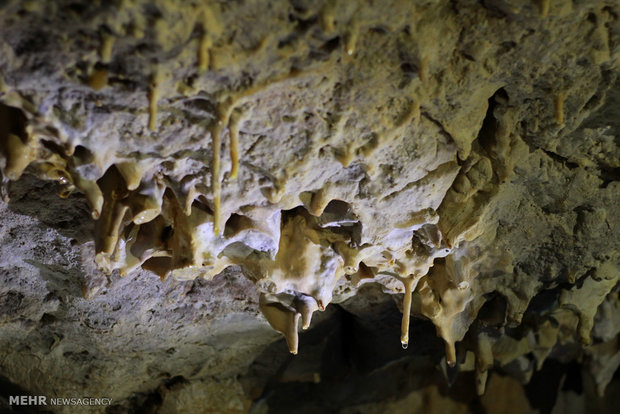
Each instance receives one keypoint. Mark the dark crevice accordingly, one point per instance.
(12, 121)
(493, 312)
(302, 25)
(573, 380)
(609, 175)
(543, 388)
(331, 45)
(562, 160)
(487, 136)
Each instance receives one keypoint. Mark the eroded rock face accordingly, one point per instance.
(462, 153)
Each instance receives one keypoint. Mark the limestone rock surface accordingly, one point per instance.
(180, 177)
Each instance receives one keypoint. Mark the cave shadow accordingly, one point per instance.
(353, 357)
(349, 359)
(9, 389)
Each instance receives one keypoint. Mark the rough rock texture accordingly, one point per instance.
(456, 161)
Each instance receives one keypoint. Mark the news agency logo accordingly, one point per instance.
(43, 400)
(27, 400)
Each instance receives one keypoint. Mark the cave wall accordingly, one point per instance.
(181, 177)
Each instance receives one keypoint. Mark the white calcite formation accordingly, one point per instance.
(434, 147)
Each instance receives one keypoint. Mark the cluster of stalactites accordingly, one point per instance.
(296, 257)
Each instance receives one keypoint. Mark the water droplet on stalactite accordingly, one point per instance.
(405, 345)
